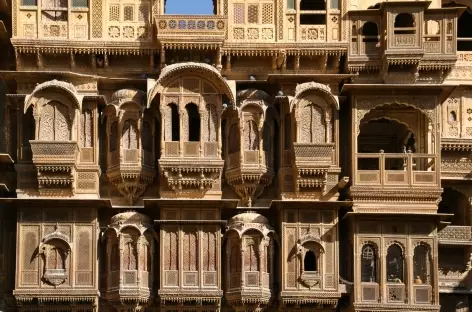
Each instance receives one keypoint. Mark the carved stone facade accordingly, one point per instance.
(290, 155)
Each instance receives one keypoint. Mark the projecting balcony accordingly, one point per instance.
(191, 29)
(455, 235)
(55, 163)
(406, 176)
(396, 170)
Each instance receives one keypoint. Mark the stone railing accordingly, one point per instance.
(319, 153)
(313, 33)
(455, 234)
(405, 169)
(54, 152)
(191, 26)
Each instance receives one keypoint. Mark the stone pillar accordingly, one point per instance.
(3, 127)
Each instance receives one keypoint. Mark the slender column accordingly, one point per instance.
(202, 114)
(181, 130)
(219, 55)
(228, 62)
(297, 62)
(262, 262)
(3, 127)
(243, 250)
(163, 57)
(163, 125)
(218, 134)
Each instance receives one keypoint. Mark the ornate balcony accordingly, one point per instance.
(312, 165)
(192, 30)
(455, 235)
(55, 163)
(405, 175)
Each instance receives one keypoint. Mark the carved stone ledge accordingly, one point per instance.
(56, 165)
(249, 184)
(190, 178)
(456, 145)
(131, 182)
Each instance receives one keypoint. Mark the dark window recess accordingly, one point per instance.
(312, 5)
(312, 19)
(464, 31)
(370, 32)
(309, 263)
(175, 123)
(404, 24)
(193, 122)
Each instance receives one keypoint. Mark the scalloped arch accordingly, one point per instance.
(205, 70)
(65, 87)
(317, 88)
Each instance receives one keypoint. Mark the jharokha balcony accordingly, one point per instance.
(400, 175)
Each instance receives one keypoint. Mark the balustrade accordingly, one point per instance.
(191, 26)
(455, 234)
(407, 169)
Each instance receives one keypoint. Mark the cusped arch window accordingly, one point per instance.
(370, 32)
(395, 264)
(312, 125)
(369, 263)
(310, 262)
(422, 264)
(404, 24)
(55, 256)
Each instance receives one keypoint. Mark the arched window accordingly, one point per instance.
(54, 123)
(310, 262)
(422, 265)
(56, 259)
(235, 260)
(193, 122)
(312, 18)
(173, 132)
(370, 32)
(251, 258)
(395, 264)
(312, 126)
(287, 132)
(251, 136)
(369, 262)
(130, 134)
(404, 24)
(129, 257)
(452, 116)
(464, 31)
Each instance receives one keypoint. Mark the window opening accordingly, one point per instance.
(312, 12)
(291, 4)
(29, 3)
(80, 3)
(370, 32)
(310, 263)
(193, 122)
(394, 264)
(54, 10)
(404, 24)
(464, 31)
(175, 122)
(369, 264)
(421, 265)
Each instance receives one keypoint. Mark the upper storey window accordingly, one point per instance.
(312, 12)
(464, 31)
(29, 3)
(404, 24)
(128, 11)
(54, 10)
(80, 3)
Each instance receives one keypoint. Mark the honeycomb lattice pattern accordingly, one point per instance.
(128, 13)
(267, 13)
(114, 13)
(97, 19)
(253, 13)
(238, 16)
(143, 13)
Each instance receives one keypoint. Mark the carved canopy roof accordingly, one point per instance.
(315, 87)
(170, 71)
(67, 87)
